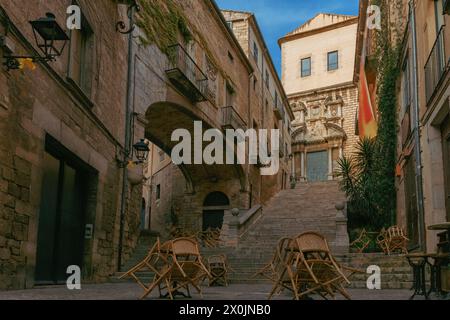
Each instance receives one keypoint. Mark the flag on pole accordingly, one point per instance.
(367, 123)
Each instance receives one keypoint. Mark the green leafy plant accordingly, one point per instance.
(357, 174)
(368, 178)
(162, 22)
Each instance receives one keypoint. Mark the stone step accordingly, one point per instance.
(308, 207)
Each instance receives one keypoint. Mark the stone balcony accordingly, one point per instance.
(185, 74)
(231, 119)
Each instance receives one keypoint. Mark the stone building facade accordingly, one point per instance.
(195, 197)
(268, 101)
(62, 128)
(423, 163)
(317, 73)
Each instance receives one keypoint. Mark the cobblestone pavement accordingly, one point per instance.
(130, 291)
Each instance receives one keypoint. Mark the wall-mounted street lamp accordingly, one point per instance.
(140, 150)
(50, 39)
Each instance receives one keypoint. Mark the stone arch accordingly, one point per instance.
(336, 131)
(216, 198)
(163, 118)
(298, 131)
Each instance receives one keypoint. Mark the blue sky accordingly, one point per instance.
(278, 17)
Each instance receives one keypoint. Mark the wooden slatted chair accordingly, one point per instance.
(393, 239)
(362, 242)
(316, 269)
(218, 269)
(269, 271)
(184, 269)
(281, 270)
(210, 238)
(151, 263)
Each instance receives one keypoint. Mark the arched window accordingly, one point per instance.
(215, 199)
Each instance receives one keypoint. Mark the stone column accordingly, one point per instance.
(231, 236)
(342, 242)
(302, 116)
(303, 155)
(293, 166)
(330, 163)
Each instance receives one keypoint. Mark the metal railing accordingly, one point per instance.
(278, 107)
(179, 59)
(435, 66)
(231, 119)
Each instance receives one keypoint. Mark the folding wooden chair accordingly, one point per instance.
(316, 269)
(393, 239)
(362, 242)
(269, 271)
(150, 263)
(281, 270)
(218, 269)
(210, 238)
(185, 267)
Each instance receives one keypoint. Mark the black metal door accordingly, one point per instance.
(61, 221)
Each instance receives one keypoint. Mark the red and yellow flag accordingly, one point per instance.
(367, 123)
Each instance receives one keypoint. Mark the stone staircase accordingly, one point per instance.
(396, 273)
(308, 207)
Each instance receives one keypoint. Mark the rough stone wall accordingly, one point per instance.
(40, 102)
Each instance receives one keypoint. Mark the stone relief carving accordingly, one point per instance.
(318, 121)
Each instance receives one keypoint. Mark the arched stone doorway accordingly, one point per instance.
(214, 208)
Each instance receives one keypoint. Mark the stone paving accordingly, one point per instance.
(130, 291)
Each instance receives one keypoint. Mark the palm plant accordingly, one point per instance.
(357, 179)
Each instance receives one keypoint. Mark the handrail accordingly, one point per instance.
(249, 214)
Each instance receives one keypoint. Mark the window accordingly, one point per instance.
(306, 67)
(407, 123)
(255, 81)
(406, 87)
(267, 79)
(82, 56)
(255, 51)
(158, 192)
(230, 93)
(333, 60)
(230, 24)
